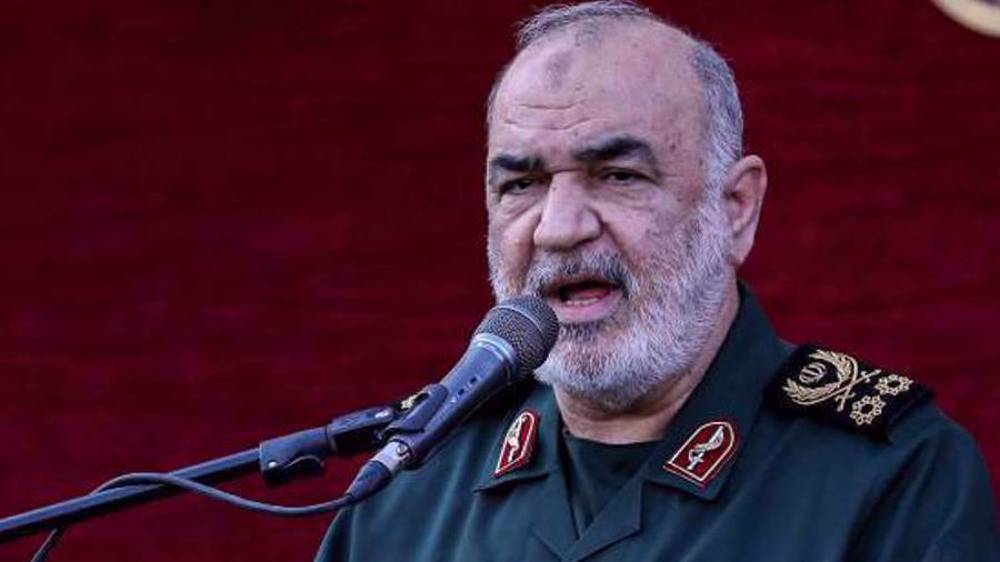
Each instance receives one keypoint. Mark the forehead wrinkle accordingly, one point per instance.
(529, 108)
(556, 127)
(529, 105)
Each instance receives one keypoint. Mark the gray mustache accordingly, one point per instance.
(551, 269)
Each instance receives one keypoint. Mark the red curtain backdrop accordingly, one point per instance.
(227, 220)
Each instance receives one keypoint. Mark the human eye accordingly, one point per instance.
(518, 186)
(621, 176)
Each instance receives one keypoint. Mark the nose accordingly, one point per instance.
(568, 218)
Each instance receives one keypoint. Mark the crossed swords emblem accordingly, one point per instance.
(849, 375)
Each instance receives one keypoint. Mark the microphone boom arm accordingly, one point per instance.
(279, 460)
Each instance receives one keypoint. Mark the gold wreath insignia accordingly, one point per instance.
(848, 375)
(979, 15)
(864, 392)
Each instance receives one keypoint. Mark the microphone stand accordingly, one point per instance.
(279, 460)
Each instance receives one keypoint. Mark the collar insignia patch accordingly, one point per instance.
(838, 388)
(704, 453)
(518, 443)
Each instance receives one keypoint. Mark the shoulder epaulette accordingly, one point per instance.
(840, 389)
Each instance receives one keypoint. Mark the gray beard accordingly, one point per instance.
(670, 307)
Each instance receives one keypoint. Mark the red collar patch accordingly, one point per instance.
(518, 443)
(704, 453)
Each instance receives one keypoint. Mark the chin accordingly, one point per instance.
(615, 376)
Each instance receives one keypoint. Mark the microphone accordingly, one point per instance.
(513, 339)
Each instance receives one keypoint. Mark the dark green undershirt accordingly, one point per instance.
(595, 472)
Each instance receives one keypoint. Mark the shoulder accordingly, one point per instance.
(878, 449)
(875, 423)
(928, 435)
(841, 390)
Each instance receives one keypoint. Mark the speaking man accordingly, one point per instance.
(670, 422)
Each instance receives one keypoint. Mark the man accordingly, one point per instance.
(672, 422)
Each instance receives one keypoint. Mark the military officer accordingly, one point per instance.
(669, 421)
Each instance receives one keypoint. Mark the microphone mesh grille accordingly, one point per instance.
(528, 324)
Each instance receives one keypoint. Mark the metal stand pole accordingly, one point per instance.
(278, 460)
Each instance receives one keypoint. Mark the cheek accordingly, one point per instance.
(639, 229)
(510, 244)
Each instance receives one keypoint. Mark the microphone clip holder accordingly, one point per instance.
(301, 454)
(423, 406)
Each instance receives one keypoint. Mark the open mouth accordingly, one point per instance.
(583, 299)
(583, 293)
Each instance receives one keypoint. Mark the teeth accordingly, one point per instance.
(582, 302)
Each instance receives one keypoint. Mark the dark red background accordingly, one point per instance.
(227, 220)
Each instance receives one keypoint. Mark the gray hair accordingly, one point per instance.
(723, 124)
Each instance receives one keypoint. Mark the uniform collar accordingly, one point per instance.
(731, 391)
(544, 459)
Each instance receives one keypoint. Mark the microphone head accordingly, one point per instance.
(528, 324)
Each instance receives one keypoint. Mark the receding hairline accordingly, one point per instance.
(592, 29)
(721, 109)
(587, 15)
(589, 32)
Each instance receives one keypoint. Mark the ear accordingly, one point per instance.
(743, 196)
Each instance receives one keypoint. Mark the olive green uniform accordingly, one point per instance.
(793, 486)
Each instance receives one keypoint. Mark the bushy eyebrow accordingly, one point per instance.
(619, 146)
(610, 148)
(513, 163)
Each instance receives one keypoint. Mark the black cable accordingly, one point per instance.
(193, 486)
(233, 499)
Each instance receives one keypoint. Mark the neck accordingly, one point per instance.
(648, 420)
